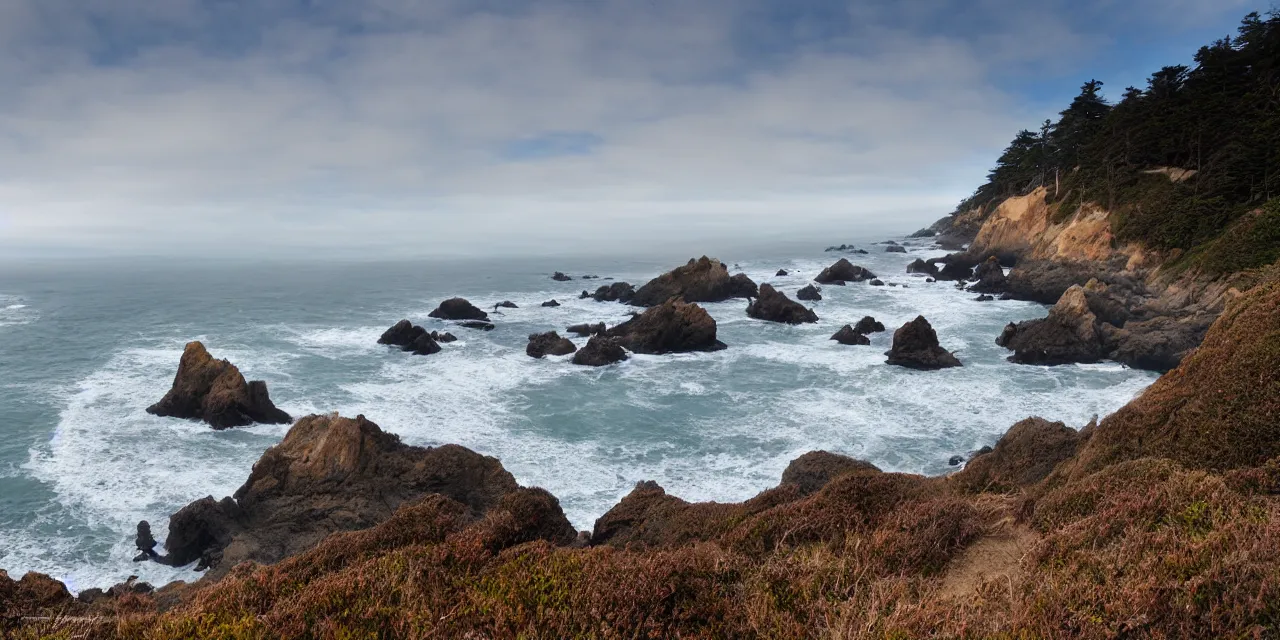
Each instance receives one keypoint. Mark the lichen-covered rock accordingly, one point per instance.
(671, 327)
(701, 280)
(775, 306)
(915, 346)
(215, 392)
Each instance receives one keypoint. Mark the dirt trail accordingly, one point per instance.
(996, 556)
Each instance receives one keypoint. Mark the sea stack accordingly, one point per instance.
(215, 392)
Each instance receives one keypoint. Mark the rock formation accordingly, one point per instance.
(444, 337)
(329, 474)
(895, 248)
(1025, 455)
(551, 303)
(560, 277)
(585, 330)
(868, 325)
(781, 272)
(673, 326)
(812, 471)
(920, 266)
(848, 335)
(615, 292)
(915, 346)
(775, 306)
(600, 351)
(701, 280)
(215, 392)
(809, 292)
(458, 309)
(991, 278)
(876, 282)
(548, 344)
(483, 325)
(505, 304)
(1069, 334)
(843, 271)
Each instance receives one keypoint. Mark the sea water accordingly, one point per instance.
(86, 347)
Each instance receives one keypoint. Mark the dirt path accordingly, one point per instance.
(996, 556)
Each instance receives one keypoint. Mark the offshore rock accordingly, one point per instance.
(843, 271)
(458, 309)
(548, 344)
(810, 292)
(215, 392)
(600, 351)
(701, 280)
(850, 336)
(775, 306)
(915, 346)
(1069, 334)
(671, 327)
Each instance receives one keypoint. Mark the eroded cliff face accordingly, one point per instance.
(1025, 225)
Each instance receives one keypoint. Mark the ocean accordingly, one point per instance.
(85, 347)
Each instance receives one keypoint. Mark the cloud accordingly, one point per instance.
(140, 125)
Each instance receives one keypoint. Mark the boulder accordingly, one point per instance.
(671, 327)
(482, 325)
(843, 271)
(600, 351)
(812, 471)
(775, 306)
(868, 325)
(1069, 334)
(548, 344)
(781, 272)
(328, 474)
(215, 392)
(848, 335)
(615, 292)
(810, 292)
(1025, 455)
(876, 282)
(585, 330)
(920, 266)
(991, 278)
(551, 303)
(458, 309)
(895, 248)
(915, 346)
(701, 280)
(560, 277)
(505, 304)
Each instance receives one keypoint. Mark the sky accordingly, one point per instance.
(402, 128)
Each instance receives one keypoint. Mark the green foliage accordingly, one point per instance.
(1219, 119)
(1254, 241)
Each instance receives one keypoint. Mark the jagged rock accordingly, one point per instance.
(812, 471)
(915, 346)
(843, 271)
(458, 309)
(920, 266)
(848, 335)
(505, 304)
(424, 345)
(145, 542)
(616, 292)
(991, 278)
(476, 324)
(215, 392)
(810, 292)
(443, 338)
(781, 272)
(551, 303)
(585, 330)
(548, 344)
(1025, 455)
(895, 249)
(600, 351)
(701, 280)
(1069, 334)
(329, 474)
(673, 326)
(868, 325)
(560, 277)
(775, 306)
(876, 282)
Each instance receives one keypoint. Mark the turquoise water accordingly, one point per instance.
(85, 347)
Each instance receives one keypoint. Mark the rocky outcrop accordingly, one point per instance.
(810, 293)
(458, 309)
(551, 303)
(329, 474)
(843, 271)
(920, 266)
(615, 292)
(585, 330)
(415, 339)
(701, 280)
(915, 346)
(672, 327)
(33, 594)
(868, 325)
(1069, 334)
(600, 351)
(850, 336)
(812, 471)
(991, 278)
(561, 277)
(775, 306)
(215, 392)
(1025, 455)
(548, 344)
